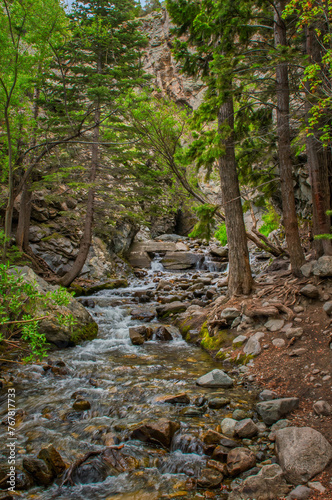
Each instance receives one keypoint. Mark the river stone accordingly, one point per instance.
(81, 405)
(52, 459)
(322, 408)
(161, 431)
(307, 268)
(278, 343)
(181, 260)
(212, 437)
(215, 378)
(328, 307)
(142, 315)
(323, 266)
(310, 291)
(302, 453)
(38, 470)
(217, 403)
(246, 428)
(239, 414)
(252, 347)
(294, 332)
(239, 460)
(209, 478)
(219, 251)
(182, 399)
(220, 453)
(272, 411)
(268, 484)
(267, 395)
(172, 308)
(163, 334)
(137, 335)
(300, 492)
(230, 313)
(228, 426)
(273, 325)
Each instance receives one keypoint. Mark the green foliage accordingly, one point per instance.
(203, 228)
(221, 234)
(19, 303)
(325, 236)
(271, 221)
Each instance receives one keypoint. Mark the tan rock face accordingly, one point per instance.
(160, 63)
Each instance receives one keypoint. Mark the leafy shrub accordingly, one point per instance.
(16, 298)
(221, 234)
(271, 221)
(325, 236)
(203, 228)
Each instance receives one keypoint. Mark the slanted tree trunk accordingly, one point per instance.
(86, 239)
(239, 278)
(318, 166)
(284, 148)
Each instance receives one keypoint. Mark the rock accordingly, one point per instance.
(307, 269)
(171, 237)
(161, 431)
(181, 247)
(310, 291)
(294, 332)
(253, 346)
(273, 325)
(322, 408)
(268, 484)
(272, 411)
(229, 314)
(239, 460)
(267, 395)
(53, 460)
(220, 453)
(139, 314)
(246, 428)
(211, 437)
(317, 486)
(209, 478)
(323, 267)
(59, 333)
(181, 260)
(137, 335)
(217, 403)
(172, 308)
(328, 307)
(163, 334)
(219, 251)
(81, 405)
(239, 414)
(297, 352)
(239, 340)
(228, 426)
(215, 378)
(153, 247)
(302, 453)
(38, 470)
(278, 343)
(300, 492)
(182, 399)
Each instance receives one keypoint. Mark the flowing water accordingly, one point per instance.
(123, 383)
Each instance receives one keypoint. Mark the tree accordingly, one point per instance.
(217, 35)
(105, 51)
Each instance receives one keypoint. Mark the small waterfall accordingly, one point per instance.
(156, 264)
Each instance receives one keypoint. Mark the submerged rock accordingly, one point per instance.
(38, 470)
(161, 431)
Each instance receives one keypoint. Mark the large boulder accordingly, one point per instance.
(302, 453)
(58, 332)
(323, 266)
(161, 431)
(171, 308)
(181, 260)
(274, 410)
(268, 484)
(215, 378)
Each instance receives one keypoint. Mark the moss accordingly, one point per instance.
(217, 341)
(77, 289)
(87, 332)
(243, 359)
(185, 326)
(53, 236)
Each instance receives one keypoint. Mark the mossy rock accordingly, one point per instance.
(219, 339)
(87, 332)
(107, 285)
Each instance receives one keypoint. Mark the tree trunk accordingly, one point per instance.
(284, 149)
(86, 239)
(318, 166)
(22, 233)
(11, 198)
(239, 277)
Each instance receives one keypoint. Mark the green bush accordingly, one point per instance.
(271, 221)
(203, 228)
(16, 298)
(221, 234)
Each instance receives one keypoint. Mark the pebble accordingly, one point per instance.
(278, 343)
(316, 485)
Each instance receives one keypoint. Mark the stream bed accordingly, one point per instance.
(125, 385)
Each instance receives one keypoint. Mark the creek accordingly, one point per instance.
(123, 383)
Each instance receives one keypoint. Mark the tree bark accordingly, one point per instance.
(22, 232)
(284, 148)
(239, 277)
(318, 166)
(11, 198)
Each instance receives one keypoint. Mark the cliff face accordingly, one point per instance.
(160, 63)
